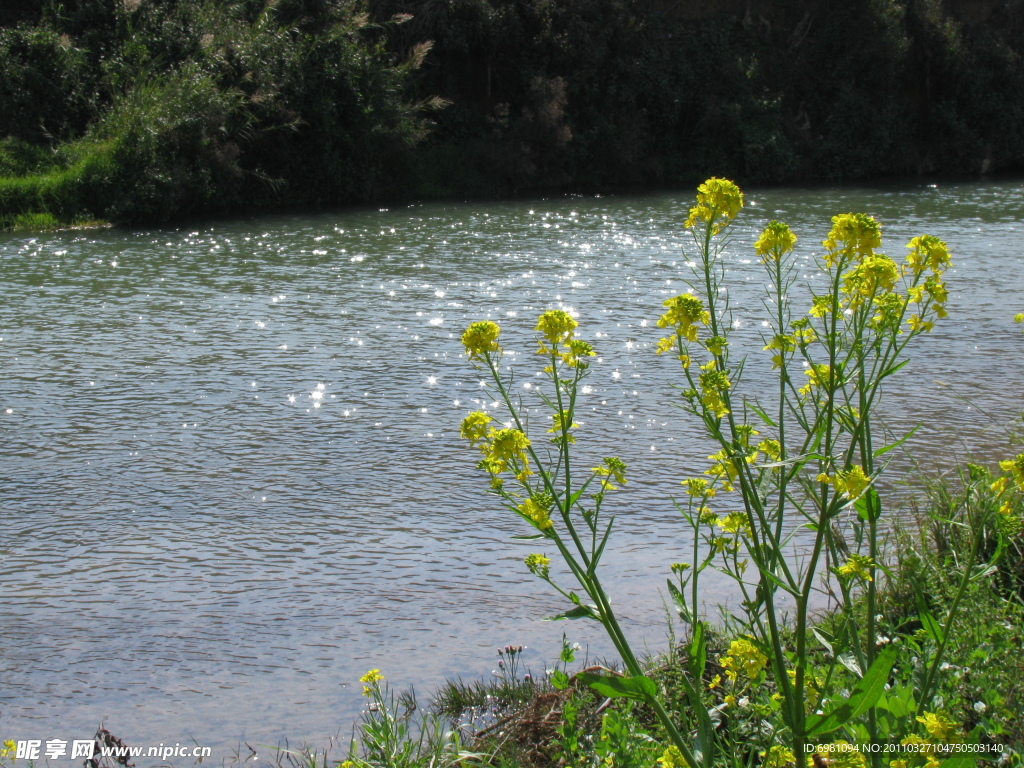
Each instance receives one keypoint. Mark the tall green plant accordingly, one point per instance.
(806, 456)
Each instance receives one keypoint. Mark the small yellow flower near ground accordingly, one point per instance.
(858, 566)
(744, 657)
(939, 726)
(715, 682)
(1015, 467)
(843, 754)
(481, 338)
(718, 202)
(672, 758)
(730, 700)
(777, 757)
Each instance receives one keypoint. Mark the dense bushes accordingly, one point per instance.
(199, 106)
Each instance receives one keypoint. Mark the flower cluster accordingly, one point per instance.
(502, 448)
(371, 679)
(743, 657)
(535, 511)
(857, 566)
(854, 236)
(538, 565)
(481, 339)
(685, 314)
(775, 241)
(718, 202)
(559, 331)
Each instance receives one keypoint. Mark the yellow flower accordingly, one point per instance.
(730, 700)
(1015, 467)
(508, 445)
(853, 482)
(557, 325)
(715, 682)
(480, 339)
(938, 725)
(743, 656)
(857, 565)
(776, 240)
(536, 513)
(672, 758)
(698, 486)
(712, 383)
(679, 568)
(684, 313)
(538, 565)
(876, 273)
(718, 202)
(561, 424)
(371, 679)
(784, 345)
(475, 427)
(771, 448)
(9, 748)
(917, 324)
(613, 468)
(853, 235)
(734, 522)
(818, 376)
(926, 252)
(777, 757)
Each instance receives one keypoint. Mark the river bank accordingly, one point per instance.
(152, 111)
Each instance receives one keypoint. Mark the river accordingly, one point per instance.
(232, 478)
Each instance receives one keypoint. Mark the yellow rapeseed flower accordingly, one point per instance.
(777, 757)
(734, 522)
(536, 513)
(684, 314)
(1015, 467)
(776, 240)
(480, 339)
(939, 726)
(557, 325)
(475, 427)
(744, 657)
(853, 235)
(852, 482)
(718, 202)
(927, 252)
(858, 566)
(672, 758)
(538, 565)
(371, 679)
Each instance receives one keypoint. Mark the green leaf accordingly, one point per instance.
(639, 687)
(764, 416)
(680, 601)
(928, 621)
(559, 680)
(698, 651)
(824, 638)
(534, 537)
(579, 612)
(885, 449)
(863, 696)
(861, 504)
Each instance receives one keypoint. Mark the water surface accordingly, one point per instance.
(232, 474)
